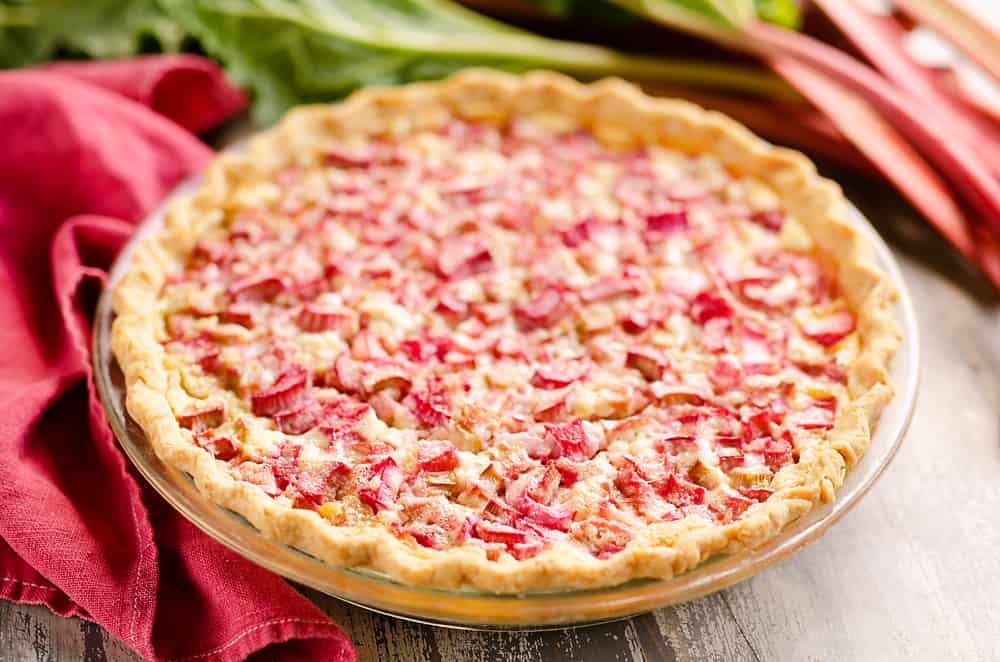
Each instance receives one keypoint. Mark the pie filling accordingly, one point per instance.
(502, 337)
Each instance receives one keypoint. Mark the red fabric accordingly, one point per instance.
(82, 158)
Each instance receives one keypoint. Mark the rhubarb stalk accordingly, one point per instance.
(967, 173)
(880, 39)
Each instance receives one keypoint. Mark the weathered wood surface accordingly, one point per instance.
(912, 573)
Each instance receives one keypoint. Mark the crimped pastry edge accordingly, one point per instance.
(616, 112)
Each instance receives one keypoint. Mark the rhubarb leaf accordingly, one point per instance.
(291, 52)
(33, 31)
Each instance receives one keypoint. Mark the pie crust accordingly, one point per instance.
(618, 115)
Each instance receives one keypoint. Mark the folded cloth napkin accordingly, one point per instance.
(86, 150)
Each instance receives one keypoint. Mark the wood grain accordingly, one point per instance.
(911, 573)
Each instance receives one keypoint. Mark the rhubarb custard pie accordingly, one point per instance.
(510, 333)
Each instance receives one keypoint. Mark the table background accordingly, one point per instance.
(912, 572)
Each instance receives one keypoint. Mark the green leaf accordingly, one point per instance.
(785, 13)
(295, 51)
(33, 31)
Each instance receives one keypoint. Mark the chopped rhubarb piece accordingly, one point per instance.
(610, 288)
(709, 306)
(387, 377)
(755, 351)
(820, 415)
(464, 257)
(313, 482)
(339, 420)
(680, 492)
(772, 219)
(431, 405)
(258, 288)
(496, 532)
(669, 220)
(552, 517)
(340, 157)
(345, 375)
(714, 334)
(778, 453)
(648, 361)
(437, 456)
(831, 329)
(315, 318)
(449, 304)
(544, 310)
(551, 408)
(239, 313)
(222, 448)
(285, 393)
(756, 493)
(579, 233)
(197, 350)
(203, 419)
(630, 481)
(383, 486)
(731, 507)
(296, 420)
(730, 458)
(570, 440)
(284, 464)
(636, 321)
(367, 346)
(559, 375)
(726, 374)
(686, 283)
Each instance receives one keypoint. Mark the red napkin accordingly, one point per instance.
(84, 155)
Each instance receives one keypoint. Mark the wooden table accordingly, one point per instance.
(912, 572)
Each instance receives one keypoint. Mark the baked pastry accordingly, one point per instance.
(510, 333)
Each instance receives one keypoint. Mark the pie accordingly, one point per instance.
(509, 333)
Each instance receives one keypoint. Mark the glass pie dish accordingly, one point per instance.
(476, 609)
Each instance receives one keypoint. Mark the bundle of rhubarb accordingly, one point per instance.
(855, 94)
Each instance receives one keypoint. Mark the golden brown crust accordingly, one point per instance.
(617, 113)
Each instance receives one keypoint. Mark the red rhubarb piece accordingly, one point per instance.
(756, 493)
(559, 375)
(831, 329)
(709, 306)
(636, 321)
(284, 464)
(680, 492)
(313, 482)
(579, 233)
(648, 361)
(285, 393)
(383, 486)
(431, 406)
(755, 351)
(544, 310)
(296, 420)
(669, 220)
(772, 219)
(315, 318)
(343, 158)
(437, 456)
(610, 288)
(496, 532)
(203, 419)
(345, 375)
(222, 448)
(552, 517)
(818, 416)
(463, 257)
(258, 288)
(571, 441)
(239, 313)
